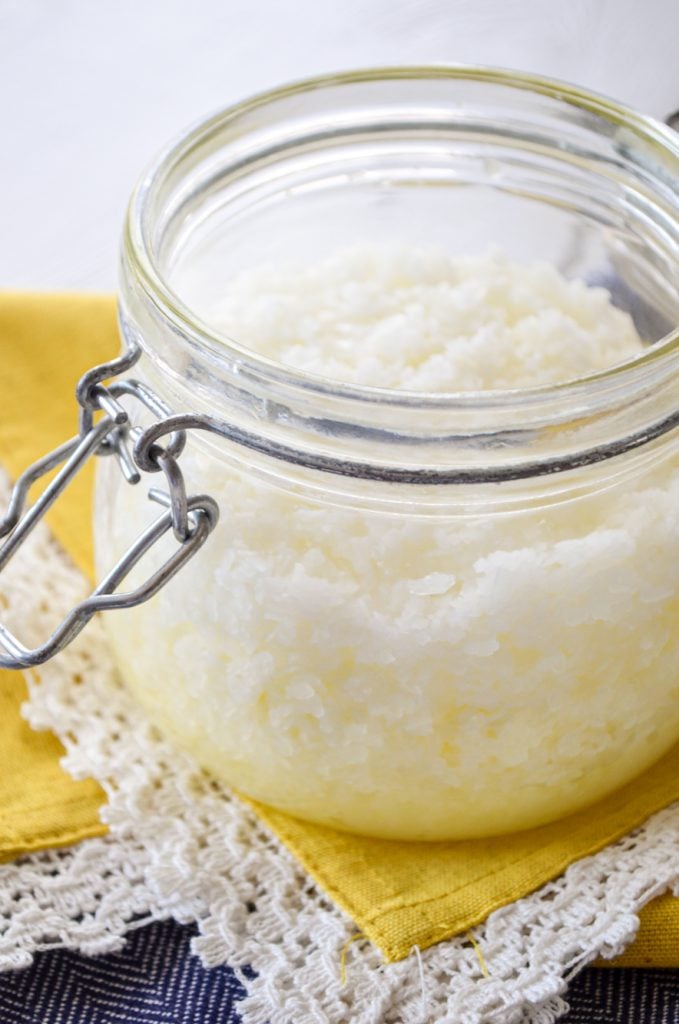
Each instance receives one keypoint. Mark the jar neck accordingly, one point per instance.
(308, 424)
(465, 441)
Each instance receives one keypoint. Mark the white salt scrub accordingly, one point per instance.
(418, 320)
(404, 675)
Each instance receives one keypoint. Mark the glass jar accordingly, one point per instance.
(421, 616)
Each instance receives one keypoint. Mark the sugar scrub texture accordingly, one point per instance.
(417, 677)
(420, 320)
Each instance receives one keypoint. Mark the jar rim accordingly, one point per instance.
(140, 257)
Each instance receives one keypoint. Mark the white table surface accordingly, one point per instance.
(90, 90)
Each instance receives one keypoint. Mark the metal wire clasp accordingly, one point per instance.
(191, 518)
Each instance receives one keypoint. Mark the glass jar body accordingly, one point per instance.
(410, 676)
(365, 641)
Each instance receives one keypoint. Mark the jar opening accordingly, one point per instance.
(552, 162)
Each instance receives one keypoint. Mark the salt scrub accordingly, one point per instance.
(419, 320)
(402, 675)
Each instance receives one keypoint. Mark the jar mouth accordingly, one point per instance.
(138, 247)
(601, 170)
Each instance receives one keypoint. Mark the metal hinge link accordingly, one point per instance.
(191, 518)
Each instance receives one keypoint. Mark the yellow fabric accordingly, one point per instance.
(399, 894)
(657, 941)
(46, 343)
(40, 806)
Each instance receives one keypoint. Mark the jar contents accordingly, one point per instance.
(405, 675)
(420, 320)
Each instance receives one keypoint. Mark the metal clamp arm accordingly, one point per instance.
(191, 518)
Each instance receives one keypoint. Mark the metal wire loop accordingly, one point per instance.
(191, 518)
(179, 505)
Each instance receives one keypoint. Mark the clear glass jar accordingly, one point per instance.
(423, 616)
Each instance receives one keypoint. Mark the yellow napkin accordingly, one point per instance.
(399, 894)
(45, 343)
(40, 806)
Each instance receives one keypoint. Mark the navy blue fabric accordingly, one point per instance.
(156, 980)
(623, 996)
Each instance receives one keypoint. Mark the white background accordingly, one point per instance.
(90, 89)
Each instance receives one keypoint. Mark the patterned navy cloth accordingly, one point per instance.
(156, 980)
(629, 996)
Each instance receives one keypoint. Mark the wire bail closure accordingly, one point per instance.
(190, 518)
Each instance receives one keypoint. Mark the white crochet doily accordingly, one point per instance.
(181, 846)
